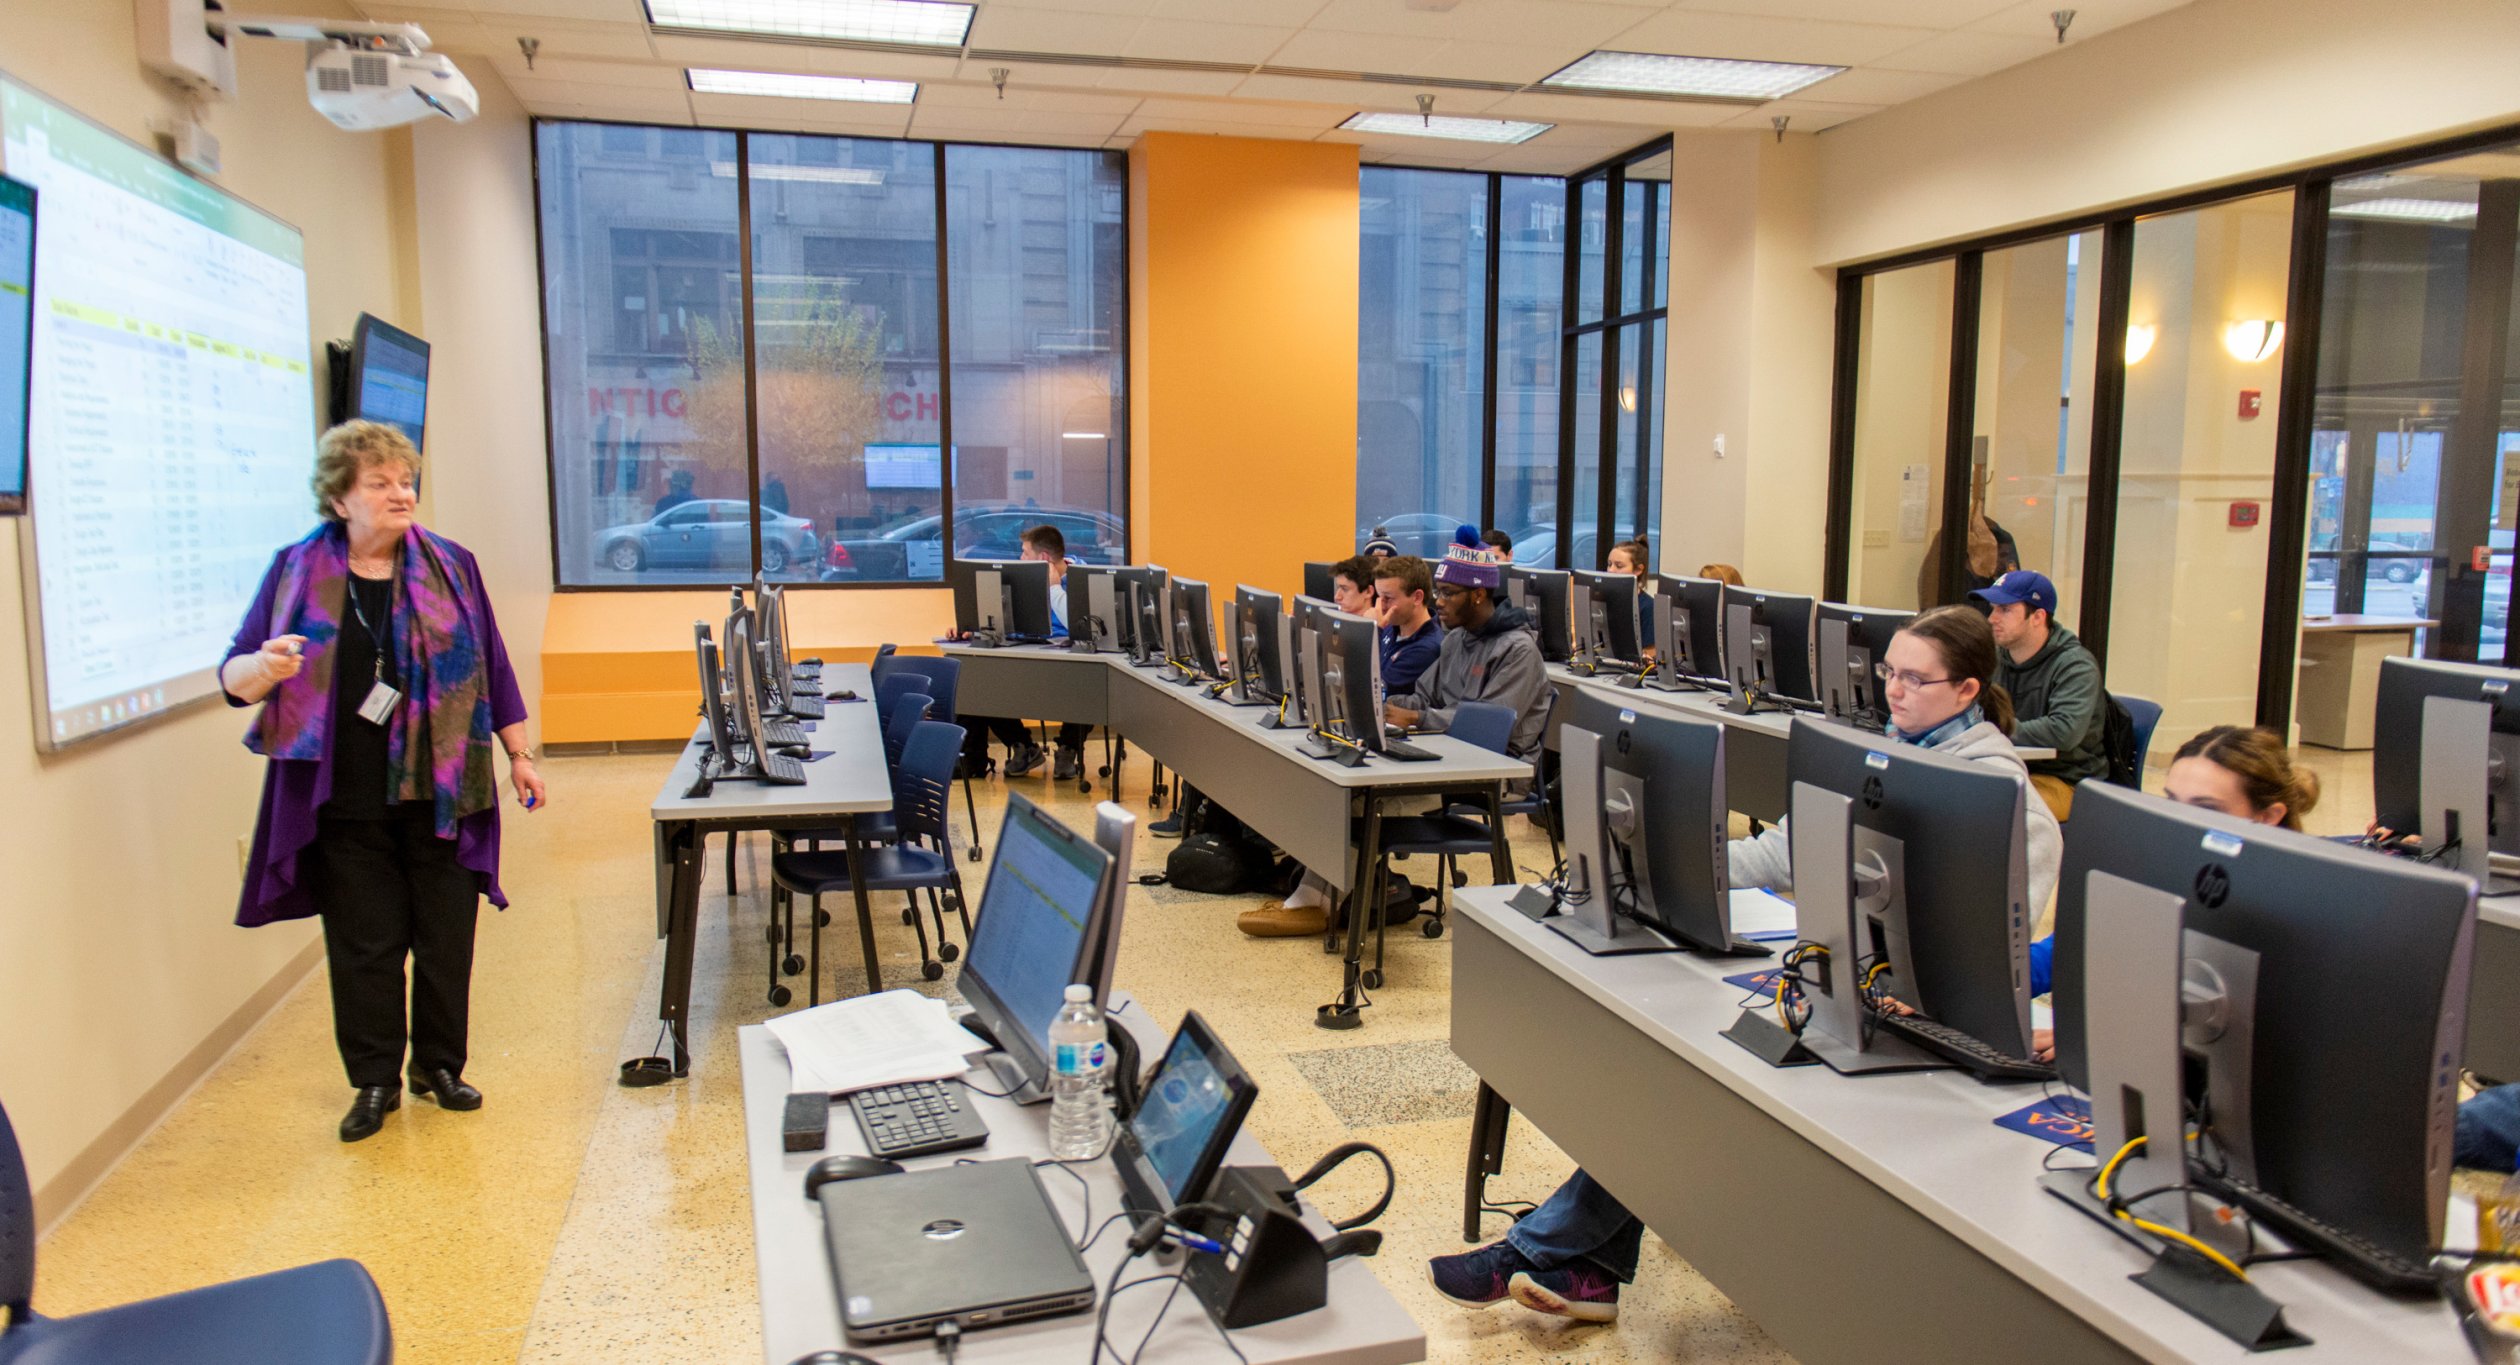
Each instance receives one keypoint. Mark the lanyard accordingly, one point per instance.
(358, 609)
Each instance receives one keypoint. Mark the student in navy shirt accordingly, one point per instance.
(1411, 636)
(1024, 754)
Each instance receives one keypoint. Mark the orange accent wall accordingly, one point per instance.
(1242, 342)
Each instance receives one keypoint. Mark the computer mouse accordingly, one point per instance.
(833, 1168)
(832, 1358)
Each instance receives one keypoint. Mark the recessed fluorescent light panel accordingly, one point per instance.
(1459, 129)
(1651, 73)
(928, 23)
(783, 86)
(2408, 210)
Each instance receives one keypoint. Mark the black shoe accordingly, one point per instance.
(1167, 828)
(1026, 761)
(1070, 766)
(368, 1111)
(449, 1089)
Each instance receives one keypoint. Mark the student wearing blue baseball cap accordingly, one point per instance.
(2054, 683)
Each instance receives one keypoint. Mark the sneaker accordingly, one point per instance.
(1478, 1279)
(1167, 828)
(1579, 1290)
(1277, 919)
(1069, 767)
(1026, 761)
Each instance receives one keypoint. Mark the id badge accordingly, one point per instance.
(380, 703)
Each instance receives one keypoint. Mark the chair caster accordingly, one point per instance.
(932, 970)
(972, 853)
(1084, 786)
(822, 919)
(1433, 928)
(1460, 879)
(780, 995)
(1372, 979)
(1103, 771)
(792, 964)
(947, 952)
(909, 914)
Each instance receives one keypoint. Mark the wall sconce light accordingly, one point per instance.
(2140, 337)
(1627, 397)
(2254, 340)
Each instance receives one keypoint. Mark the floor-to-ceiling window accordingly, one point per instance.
(1613, 350)
(1902, 373)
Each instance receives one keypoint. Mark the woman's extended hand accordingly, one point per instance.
(282, 656)
(528, 783)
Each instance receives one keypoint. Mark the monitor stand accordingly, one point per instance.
(988, 596)
(1823, 833)
(1011, 1078)
(2455, 785)
(1592, 808)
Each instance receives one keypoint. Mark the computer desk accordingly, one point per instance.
(1754, 745)
(1883, 1218)
(1326, 816)
(2493, 1038)
(800, 1312)
(850, 783)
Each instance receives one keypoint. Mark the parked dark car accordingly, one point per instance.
(2379, 565)
(913, 550)
(708, 533)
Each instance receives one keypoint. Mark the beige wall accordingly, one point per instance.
(2208, 93)
(120, 974)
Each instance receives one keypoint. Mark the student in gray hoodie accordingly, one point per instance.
(1570, 1256)
(2054, 683)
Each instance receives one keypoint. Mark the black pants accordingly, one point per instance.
(388, 889)
(1015, 734)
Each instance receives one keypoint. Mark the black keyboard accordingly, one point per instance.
(918, 1119)
(781, 734)
(1406, 752)
(1964, 1049)
(2356, 1255)
(779, 770)
(803, 707)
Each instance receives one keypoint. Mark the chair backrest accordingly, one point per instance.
(883, 665)
(17, 1228)
(892, 690)
(907, 715)
(926, 780)
(944, 678)
(2142, 718)
(1485, 724)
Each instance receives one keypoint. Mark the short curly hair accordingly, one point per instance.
(350, 450)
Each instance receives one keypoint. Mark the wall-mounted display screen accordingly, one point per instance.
(17, 322)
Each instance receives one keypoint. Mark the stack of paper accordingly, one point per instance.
(872, 1040)
(1761, 916)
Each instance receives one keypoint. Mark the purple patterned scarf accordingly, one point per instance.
(438, 744)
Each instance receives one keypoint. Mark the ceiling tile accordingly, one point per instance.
(2091, 17)
(1021, 96)
(961, 119)
(1188, 40)
(1023, 30)
(1695, 33)
(1170, 82)
(1325, 51)
(562, 38)
(627, 75)
(1140, 8)
(1316, 116)
(452, 31)
(1939, 14)
(1355, 95)
(616, 11)
(1288, 12)
(1809, 116)
(1489, 21)
(651, 99)
(1634, 113)
(734, 55)
(1879, 85)
(605, 113)
(1532, 158)
(1969, 53)
(1286, 133)
(1521, 63)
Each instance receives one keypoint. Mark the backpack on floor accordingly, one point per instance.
(1219, 855)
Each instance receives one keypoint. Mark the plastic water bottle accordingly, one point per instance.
(1080, 1123)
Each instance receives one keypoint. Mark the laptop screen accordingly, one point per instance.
(1033, 917)
(1177, 1120)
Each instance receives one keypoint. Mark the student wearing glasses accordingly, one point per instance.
(1569, 1257)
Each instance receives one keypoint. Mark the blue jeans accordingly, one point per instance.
(2489, 1129)
(1580, 1222)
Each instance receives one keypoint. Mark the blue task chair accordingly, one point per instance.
(923, 859)
(944, 677)
(882, 666)
(1446, 835)
(2147, 718)
(1494, 732)
(328, 1313)
(909, 710)
(892, 689)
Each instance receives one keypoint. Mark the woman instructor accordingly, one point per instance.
(384, 687)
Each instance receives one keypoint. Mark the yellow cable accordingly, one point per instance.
(2156, 1229)
(1878, 969)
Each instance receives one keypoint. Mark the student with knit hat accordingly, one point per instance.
(1382, 546)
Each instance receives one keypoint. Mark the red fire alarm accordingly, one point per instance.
(2251, 403)
(2244, 514)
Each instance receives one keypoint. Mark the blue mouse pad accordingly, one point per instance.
(2064, 1120)
(1761, 983)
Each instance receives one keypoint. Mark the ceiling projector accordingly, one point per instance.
(362, 91)
(361, 76)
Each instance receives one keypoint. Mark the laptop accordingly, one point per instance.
(974, 1245)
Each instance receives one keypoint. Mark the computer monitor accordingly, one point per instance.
(1543, 594)
(17, 337)
(1140, 602)
(1767, 648)
(743, 679)
(1936, 884)
(1604, 612)
(1095, 604)
(1851, 641)
(713, 700)
(1318, 580)
(1252, 638)
(1348, 721)
(2321, 1008)
(389, 378)
(1169, 1151)
(1034, 934)
(2445, 761)
(1193, 632)
(1001, 599)
(1115, 832)
(1688, 634)
(1645, 823)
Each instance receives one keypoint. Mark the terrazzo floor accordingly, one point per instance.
(571, 1220)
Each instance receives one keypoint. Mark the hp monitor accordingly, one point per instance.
(1140, 601)
(2446, 760)
(1767, 649)
(1039, 928)
(1543, 594)
(1604, 612)
(741, 672)
(1937, 882)
(1193, 632)
(997, 601)
(17, 336)
(389, 378)
(2321, 1008)
(1252, 637)
(1688, 626)
(1852, 642)
(713, 705)
(1645, 831)
(1169, 1150)
(1094, 603)
(1347, 723)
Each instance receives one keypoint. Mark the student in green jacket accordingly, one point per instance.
(2054, 684)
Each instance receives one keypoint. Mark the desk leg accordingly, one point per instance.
(1343, 1013)
(682, 935)
(1500, 850)
(1487, 1156)
(865, 912)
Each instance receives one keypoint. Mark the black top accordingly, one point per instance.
(359, 748)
